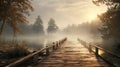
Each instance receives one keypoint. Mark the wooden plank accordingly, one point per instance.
(75, 55)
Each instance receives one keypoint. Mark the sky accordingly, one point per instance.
(65, 12)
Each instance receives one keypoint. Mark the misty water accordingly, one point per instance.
(34, 42)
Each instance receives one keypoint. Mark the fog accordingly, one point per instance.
(73, 22)
(86, 31)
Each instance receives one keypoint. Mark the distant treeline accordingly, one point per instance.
(86, 29)
(36, 28)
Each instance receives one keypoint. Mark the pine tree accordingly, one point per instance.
(38, 26)
(52, 27)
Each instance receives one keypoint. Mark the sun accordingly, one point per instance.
(91, 16)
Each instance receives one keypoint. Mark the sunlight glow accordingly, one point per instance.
(91, 17)
(101, 52)
(66, 12)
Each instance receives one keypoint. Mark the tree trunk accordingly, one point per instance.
(2, 27)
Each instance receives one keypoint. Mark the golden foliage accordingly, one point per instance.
(13, 12)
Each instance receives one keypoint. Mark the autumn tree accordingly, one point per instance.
(52, 27)
(38, 26)
(13, 12)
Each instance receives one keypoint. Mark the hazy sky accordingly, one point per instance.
(65, 11)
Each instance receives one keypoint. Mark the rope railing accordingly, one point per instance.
(97, 49)
(34, 56)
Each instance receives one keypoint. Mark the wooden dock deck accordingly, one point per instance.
(72, 54)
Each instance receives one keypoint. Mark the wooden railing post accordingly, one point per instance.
(90, 47)
(53, 46)
(57, 44)
(96, 51)
(47, 51)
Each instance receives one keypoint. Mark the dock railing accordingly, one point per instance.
(97, 50)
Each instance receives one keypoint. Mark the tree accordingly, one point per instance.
(13, 12)
(38, 26)
(111, 20)
(109, 3)
(111, 28)
(52, 27)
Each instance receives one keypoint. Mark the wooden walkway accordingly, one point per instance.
(72, 54)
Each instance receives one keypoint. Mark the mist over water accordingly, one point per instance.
(40, 41)
(87, 32)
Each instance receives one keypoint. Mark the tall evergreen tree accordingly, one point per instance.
(52, 27)
(38, 26)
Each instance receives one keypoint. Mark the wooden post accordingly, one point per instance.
(90, 47)
(47, 51)
(53, 47)
(57, 44)
(96, 51)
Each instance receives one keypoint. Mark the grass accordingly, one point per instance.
(10, 51)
